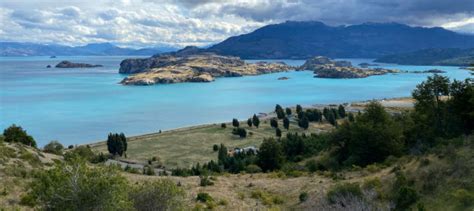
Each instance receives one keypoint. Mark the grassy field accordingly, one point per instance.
(186, 146)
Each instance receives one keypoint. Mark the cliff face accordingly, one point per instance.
(201, 67)
(324, 67)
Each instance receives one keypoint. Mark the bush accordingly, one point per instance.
(303, 196)
(252, 168)
(54, 147)
(215, 147)
(204, 197)
(235, 123)
(223, 125)
(344, 190)
(464, 197)
(158, 195)
(16, 134)
(242, 133)
(312, 165)
(75, 186)
(405, 198)
(205, 181)
(148, 170)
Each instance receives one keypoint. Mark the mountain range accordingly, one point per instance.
(94, 49)
(301, 40)
(433, 56)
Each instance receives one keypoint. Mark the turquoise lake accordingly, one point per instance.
(77, 106)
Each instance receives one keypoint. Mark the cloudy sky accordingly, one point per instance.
(145, 23)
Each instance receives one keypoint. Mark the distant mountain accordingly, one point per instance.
(449, 56)
(301, 40)
(94, 49)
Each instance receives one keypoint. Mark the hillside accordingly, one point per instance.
(93, 49)
(434, 56)
(301, 40)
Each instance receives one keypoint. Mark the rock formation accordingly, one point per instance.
(183, 66)
(324, 67)
(68, 64)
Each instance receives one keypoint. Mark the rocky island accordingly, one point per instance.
(324, 67)
(68, 64)
(190, 65)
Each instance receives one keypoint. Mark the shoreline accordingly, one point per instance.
(391, 103)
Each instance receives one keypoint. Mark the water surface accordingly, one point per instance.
(78, 106)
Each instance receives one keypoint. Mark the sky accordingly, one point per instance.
(178, 23)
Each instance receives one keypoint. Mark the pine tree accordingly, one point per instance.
(249, 122)
(288, 111)
(278, 132)
(274, 123)
(222, 154)
(255, 121)
(351, 117)
(332, 119)
(235, 122)
(299, 109)
(342, 111)
(304, 122)
(286, 123)
(279, 111)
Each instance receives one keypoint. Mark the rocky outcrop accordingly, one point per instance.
(324, 67)
(68, 64)
(430, 71)
(200, 67)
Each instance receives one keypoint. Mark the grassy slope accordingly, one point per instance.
(187, 146)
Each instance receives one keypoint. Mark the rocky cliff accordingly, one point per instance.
(324, 67)
(197, 67)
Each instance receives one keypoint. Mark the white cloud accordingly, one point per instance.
(145, 23)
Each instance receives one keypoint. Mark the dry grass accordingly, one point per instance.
(187, 146)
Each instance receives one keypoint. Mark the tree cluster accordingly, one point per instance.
(117, 144)
(16, 134)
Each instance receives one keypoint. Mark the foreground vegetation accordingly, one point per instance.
(419, 159)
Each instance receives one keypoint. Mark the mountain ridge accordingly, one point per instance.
(91, 49)
(301, 40)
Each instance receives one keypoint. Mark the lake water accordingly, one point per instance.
(77, 106)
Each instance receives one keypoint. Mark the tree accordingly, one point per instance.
(299, 109)
(223, 125)
(326, 112)
(116, 144)
(74, 185)
(342, 111)
(288, 111)
(249, 122)
(279, 111)
(270, 155)
(215, 147)
(240, 132)
(274, 123)
(222, 154)
(16, 134)
(235, 123)
(303, 122)
(371, 138)
(278, 132)
(255, 121)
(286, 123)
(351, 117)
(332, 119)
(54, 147)
(162, 194)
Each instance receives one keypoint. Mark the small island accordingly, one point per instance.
(324, 67)
(183, 66)
(68, 64)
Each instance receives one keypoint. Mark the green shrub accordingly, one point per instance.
(312, 165)
(215, 147)
(344, 190)
(303, 196)
(204, 197)
(148, 170)
(252, 168)
(16, 134)
(205, 181)
(405, 198)
(74, 185)
(464, 197)
(54, 147)
(266, 197)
